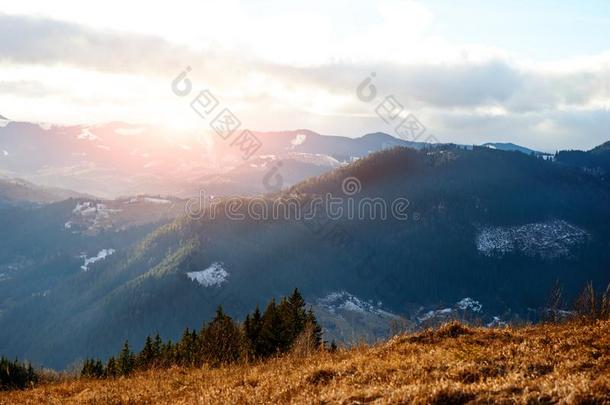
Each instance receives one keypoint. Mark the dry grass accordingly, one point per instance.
(567, 363)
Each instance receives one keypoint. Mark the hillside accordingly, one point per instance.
(491, 246)
(453, 364)
(14, 192)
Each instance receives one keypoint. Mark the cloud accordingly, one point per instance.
(472, 96)
(26, 88)
(29, 40)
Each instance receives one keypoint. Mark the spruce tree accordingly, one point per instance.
(222, 340)
(273, 335)
(296, 315)
(252, 331)
(157, 346)
(146, 356)
(98, 369)
(112, 369)
(126, 360)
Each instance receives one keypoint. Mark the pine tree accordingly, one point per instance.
(147, 355)
(252, 331)
(14, 374)
(187, 348)
(296, 316)
(86, 370)
(273, 335)
(222, 340)
(98, 369)
(168, 356)
(112, 369)
(157, 346)
(126, 360)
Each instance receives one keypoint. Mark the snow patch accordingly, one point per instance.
(318, 159)
(496, 323)
(465, 304)
(90, 216)
(215, 275)
(469, 304)
(87, 135)
(129, 131)
(435, 314)
(299, 139)
(104, 253)
(157, 200)
(5, 152)
(344, 301)
(551, 239)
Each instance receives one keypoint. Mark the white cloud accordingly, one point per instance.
(282, 67)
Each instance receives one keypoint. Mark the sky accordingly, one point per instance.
(536, 73)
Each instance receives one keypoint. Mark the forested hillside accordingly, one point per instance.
(496, 227)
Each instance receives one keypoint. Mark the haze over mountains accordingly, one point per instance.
(119, 159)
(488, 231)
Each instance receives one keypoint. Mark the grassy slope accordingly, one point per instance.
(539, 364)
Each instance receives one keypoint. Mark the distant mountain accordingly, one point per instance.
(513, 148)
(117, 159)
(602, 149)
(595, 162)
(341, 148)
(470, 233)
(17, 191)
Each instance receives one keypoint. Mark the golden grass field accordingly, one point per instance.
(565, 363)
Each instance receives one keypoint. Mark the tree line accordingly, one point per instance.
(16, 375)
(280, 328)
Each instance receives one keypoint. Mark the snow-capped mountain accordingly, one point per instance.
(117, 159)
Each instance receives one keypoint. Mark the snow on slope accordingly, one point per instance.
(465, 305)
(104, 253)
(551, 239)
(215, 275)
(344, 301)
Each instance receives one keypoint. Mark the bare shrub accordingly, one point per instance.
(305, 344)
(555, 303)
(585, 305)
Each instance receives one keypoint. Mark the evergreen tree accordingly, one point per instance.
(147, 355)
(252, 331)
(296, 316)
(126, 360)
(15, 375)
(222, 340)
(168, 356)
(157, 346)
(98, 369)
(86, 370)
(112, 369)
(273, 336)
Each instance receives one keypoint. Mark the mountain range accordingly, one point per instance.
(484, 235)
(118, 159)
